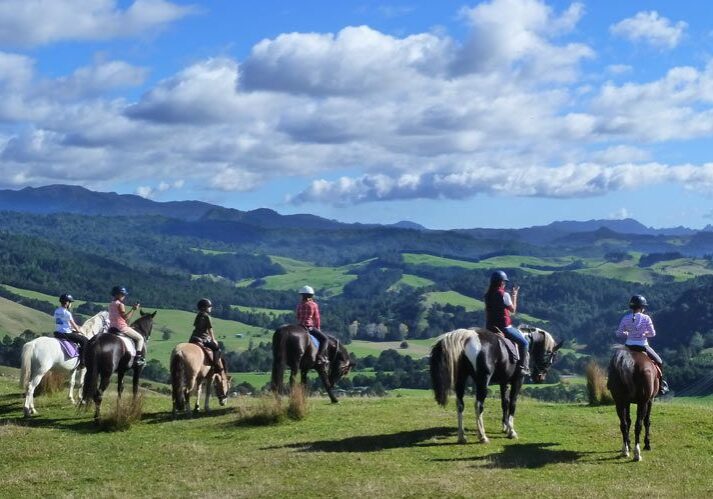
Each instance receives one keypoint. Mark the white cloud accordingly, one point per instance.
(144, 191)
(651, 28)
(39, 22)
(95, 80)
(619, 69)
(569, 180)
(620, 214)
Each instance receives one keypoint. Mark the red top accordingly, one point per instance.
(308, 314)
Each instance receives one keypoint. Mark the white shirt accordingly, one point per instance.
(62, 318)
(507, 299)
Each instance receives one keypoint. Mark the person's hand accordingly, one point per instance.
(136, 306)
(515, 290)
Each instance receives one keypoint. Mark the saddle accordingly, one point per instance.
(69, 348)
(638, 348)
(510, 345)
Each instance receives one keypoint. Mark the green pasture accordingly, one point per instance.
(411, 281)
(15, 318)
(470, 304)
(259, 310)
(416, 348)
(402, 445)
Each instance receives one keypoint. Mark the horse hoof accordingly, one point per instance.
(335, 401)
(505, 428)
(484, 440)
(462, 440)
(647, 447)
(637, 458)
(512, 435)
(26, 412)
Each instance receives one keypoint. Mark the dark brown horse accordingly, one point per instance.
(293, 347)
(106, 354)
(482, 355)
(633, 379)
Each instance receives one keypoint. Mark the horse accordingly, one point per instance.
(633, 379)
(108, 353)
(292, 345)
(190, 370)
(483, 355)
(45, 353)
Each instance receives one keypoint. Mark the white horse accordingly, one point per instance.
(44, 353)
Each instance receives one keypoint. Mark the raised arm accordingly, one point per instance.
(621, 331)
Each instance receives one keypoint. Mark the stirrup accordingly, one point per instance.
(525, 370)
(139, 360)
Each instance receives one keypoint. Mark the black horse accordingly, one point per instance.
(106, 354)
(633, 379)
(484, 356)
(292, 346)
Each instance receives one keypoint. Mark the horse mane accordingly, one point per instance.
(548, 341)
(89, 328)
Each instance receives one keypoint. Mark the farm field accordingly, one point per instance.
(365, 444)
(416, 348)
(15, 318)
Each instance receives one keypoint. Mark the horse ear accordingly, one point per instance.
(154, 313)
(142, 313)
(558, 346)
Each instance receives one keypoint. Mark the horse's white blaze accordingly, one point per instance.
(472, 349)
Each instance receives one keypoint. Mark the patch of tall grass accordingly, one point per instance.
(125, 413)
(597, 391)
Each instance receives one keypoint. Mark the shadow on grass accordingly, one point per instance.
(376, 443)
(167, 416)
(534, 455)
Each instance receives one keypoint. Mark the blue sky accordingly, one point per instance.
(505, 113)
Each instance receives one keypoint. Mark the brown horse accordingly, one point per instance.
(633, 379)
(190, 371)
(293, 346)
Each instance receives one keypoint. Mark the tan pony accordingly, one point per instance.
(191, 368)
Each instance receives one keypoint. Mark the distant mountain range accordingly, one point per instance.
(192, 217)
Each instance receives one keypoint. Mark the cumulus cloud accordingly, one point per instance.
(569, 180)
(95, 80)
(148, 192)
(39, 22)
(651, 28)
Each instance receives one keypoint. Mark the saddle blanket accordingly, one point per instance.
(69, 349)
(315, 341)
(130, 346)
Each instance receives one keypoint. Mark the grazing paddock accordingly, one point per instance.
(402, 445)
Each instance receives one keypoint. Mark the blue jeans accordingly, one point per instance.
(516, 335)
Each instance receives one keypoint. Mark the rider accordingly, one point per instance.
(636, 327)
(65, 328)
(498, 307)
(203, 333)
(119, 317)
(308, 317)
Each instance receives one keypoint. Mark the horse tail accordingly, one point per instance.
(26, 365)
(178, 380)
(445, 355)
(621, 370)
(91, 362)
(279, 343)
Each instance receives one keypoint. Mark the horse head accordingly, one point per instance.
(221, 383)
(340, 364)
(544, 351)
(144, 324)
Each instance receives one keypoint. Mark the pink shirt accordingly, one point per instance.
(636, 328)
(308, 314)
(115, 318)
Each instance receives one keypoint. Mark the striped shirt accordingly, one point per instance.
(636, 328)
(308, 314)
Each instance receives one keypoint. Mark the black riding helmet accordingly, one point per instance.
(498, 276)
(66, 298)
(119, 290)
(203, 304)
(638, 301)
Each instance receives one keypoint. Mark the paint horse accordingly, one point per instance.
(293, 346)
(191, 370)
(633, 379)
(111, 353)
(484, 356)
(45, 353)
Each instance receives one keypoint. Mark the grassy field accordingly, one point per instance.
(416, 349)
(15, 318)
(259, 310)
(398, 446)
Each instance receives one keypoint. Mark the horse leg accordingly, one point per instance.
(29, 407)
(135, 382)
(505, 404)
(71, 385)
(460, 405)
(514, 391)
(640, 412)
(199, 391)
(207, 395)
(481, 391)
(120, 383)
(647, 425)
(103, 384)
(622, 410)
(80, 388)
(327, 385)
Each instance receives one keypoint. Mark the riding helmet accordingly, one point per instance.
(637, 301)
(119, 290)
(203, 304)
(306, 290)
(498, 276)
(66, 298)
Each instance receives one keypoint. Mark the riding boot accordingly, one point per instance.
(663, 388)
(139, 360)
(322, 359)
(81, 364)
(524, 363)
(217, 363)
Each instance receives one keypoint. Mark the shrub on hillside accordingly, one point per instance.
(126, 412)
(52, 382)
(597, 391)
